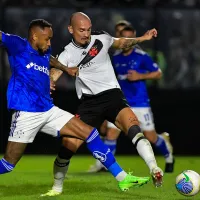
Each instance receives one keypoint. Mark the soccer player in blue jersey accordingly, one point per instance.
(28, 97)
(133, 66)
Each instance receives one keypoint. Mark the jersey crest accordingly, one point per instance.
(94, 51)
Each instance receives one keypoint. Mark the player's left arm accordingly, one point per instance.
(122, 43)
(153, 70)
(133, 75)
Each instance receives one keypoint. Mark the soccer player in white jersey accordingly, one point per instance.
(100, 93)
(33, 110)
(133, 66)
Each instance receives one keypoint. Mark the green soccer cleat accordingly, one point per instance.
(132, 181)
(51, 193)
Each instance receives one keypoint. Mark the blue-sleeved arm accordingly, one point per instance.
(149, 64)
(13, 43)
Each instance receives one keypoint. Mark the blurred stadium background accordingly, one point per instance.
(175, 99)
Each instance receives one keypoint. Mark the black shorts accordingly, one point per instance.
(94, 109)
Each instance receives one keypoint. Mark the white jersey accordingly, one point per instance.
(96, 75)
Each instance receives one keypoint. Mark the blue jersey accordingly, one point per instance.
(134, 91)
(29, 85)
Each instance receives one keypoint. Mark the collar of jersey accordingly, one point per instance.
(76, 45)
(31, 49)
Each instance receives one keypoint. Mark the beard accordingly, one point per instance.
(41, 50)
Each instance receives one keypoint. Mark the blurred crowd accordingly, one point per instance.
(113, 3)
(176, 49)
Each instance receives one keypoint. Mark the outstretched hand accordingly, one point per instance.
(133, 75)
(73, 71)
(150, 34)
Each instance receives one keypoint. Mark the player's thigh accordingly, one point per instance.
(25, 126)
(76, 128)
(63, 123)
(116, 103)
(14, 151)
(91, 113)
(23, 129)
(145, 117)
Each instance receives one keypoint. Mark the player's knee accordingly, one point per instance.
(5, 166)
(135, 134)
(71, 143)
(65, 153)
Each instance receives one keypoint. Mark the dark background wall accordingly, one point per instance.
(175, 99)
(174, 112)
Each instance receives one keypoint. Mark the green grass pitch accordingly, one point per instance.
(33, 176)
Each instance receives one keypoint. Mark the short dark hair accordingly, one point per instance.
(41, 23)
(122, 23)
(70, 19)
(128, 28)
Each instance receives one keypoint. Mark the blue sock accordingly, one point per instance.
(161, 145)
(101, 152)
(5, 166)
(112, 145)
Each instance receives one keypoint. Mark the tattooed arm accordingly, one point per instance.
(55, 74)
(122, 43)
(56, 64)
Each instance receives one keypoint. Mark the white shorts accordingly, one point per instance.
(25, 125)
(145, 117)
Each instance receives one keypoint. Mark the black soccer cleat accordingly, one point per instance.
(169, 167)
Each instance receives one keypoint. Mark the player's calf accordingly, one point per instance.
(5, 166)
(144, 149)
(14, 152)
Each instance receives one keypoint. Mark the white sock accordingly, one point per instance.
(169, 159)
(60, 170)
(145, 151)
(121, 176)
(99, 164)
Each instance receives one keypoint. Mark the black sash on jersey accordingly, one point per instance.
(94, 51)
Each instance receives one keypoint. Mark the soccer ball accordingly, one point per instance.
(188, 183)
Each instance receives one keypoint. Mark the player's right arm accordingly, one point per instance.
(12, 43)
(123, 43)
